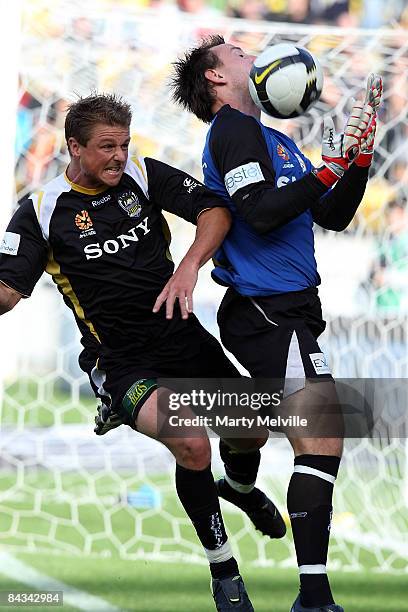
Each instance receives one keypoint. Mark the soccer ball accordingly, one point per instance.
(285, 81)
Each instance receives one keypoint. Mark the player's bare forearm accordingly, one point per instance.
(212, 227)
(8, 298)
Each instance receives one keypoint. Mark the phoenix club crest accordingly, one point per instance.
(129, 201)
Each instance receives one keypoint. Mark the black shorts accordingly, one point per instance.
(275, 336)
(181, 349)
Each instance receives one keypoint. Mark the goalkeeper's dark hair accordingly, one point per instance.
(91, 110)
(190, 88)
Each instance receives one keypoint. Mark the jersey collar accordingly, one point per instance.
(85, 190)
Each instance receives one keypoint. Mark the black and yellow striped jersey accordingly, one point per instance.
(107, 250)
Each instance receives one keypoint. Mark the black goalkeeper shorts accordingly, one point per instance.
(184, 350)
(275, 336)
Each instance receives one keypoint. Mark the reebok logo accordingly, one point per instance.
(242, 176)
(101, 201)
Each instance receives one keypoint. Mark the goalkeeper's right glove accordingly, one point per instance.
(365, 157)
(373, 99)
(374, 91)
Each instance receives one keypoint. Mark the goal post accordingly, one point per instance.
(64, 490)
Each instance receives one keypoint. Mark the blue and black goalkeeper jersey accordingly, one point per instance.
(270, 247)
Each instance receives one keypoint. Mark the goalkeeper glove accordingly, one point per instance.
(365, 157)
(106, 420)
(372, 99)
(340, 150)
(374, 91)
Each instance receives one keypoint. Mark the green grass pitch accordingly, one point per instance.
(156, 587)
(146, 586)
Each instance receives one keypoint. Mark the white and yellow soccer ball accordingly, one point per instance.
(285, 81)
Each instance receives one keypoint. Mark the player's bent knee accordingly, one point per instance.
(247, 445)
(318, 446)
(191, 453)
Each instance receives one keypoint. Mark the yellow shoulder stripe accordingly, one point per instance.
(65, 286)
(39, 201)
(139, 165)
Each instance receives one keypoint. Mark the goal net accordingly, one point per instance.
(64, 490)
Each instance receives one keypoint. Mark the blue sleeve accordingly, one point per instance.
(240, 154)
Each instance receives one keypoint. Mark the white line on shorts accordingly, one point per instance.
(257, 306)
(21, 572)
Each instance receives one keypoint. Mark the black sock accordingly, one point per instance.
(241, 470)
(198, 494)
(246, 501)
(224, 569)
(310, 509)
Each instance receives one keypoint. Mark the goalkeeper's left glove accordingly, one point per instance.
(340, 150)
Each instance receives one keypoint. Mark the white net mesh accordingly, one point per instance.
(63, 489)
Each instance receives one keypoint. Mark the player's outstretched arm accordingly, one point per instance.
(212, 227)
(336, 209)
(339, 150)
(372, 100)
(8, 298)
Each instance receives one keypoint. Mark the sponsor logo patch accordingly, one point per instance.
(84, 222)
(140, 389)
(242, 176)
(319, 363)
(95, 250)
(298, 515)
(284, 180)
(10, 243)
(129, 201)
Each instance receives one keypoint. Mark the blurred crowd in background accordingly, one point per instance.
(343, 13)
(66, 53)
